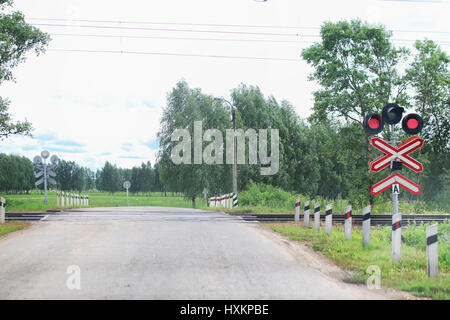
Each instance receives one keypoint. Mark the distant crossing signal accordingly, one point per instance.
(373, 124)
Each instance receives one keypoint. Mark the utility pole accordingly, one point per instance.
(233, 115)
(234, 152)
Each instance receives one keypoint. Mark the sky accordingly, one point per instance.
(98, 92)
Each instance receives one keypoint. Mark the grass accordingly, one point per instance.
(410, 275)
(11, 226)
(34, 202)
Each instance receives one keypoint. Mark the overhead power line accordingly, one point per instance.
(212, 39)
(177, 38)
(177, 23)
(169, 30)
(212, 24)
(174, 54)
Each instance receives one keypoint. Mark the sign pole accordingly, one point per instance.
(396, 217)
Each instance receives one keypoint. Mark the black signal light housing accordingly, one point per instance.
(412, 123)
(373, 123)
(392, 113)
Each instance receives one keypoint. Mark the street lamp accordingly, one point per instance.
(233, 114)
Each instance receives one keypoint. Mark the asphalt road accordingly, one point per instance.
(157, 253)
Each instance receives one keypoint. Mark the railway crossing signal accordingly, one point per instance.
(394, 157)
(44, 170)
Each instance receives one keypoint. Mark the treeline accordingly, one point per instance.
(143, 179)
(71, 176)
(16, 174)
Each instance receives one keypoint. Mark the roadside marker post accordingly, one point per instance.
(2, 210)
(366, 226)
(317, 215)
(297, 210)
(397, 238)
(57, 199)
(235, 200)
(88, 201)
(348, 222)
(231, 201)
(432, 251)
(306, 215)
(328, 218)
(62, 199)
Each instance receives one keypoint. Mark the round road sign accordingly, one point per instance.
(127, 184)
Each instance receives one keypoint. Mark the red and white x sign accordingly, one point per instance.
(399, 153)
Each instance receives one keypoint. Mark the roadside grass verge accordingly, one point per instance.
(11, 226)
(34, 202)
(410, 275)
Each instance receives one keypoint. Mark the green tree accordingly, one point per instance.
(16, 39)
(184, 107)
(429, 78)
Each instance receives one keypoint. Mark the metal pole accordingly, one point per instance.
(128, 204)
(234, 153)
(45, 181)
(396, 219)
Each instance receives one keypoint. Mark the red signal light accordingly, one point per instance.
(412, 123)
(373, 124)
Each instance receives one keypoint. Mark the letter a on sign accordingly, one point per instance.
(395, 188)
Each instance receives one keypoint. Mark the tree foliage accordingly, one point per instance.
(16, 39)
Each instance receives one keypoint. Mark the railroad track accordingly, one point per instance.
(379, 219)
(24, 216)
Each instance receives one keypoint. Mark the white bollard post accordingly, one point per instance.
(297, 210)
(231, 201)
(62, 199)
(306, 215)
(235, 200)
(317, 215)
(366, 226)
(87, 201)
(71, 199)
(2, 210)
(57, 199)
(348, 222)
(397, 238)
(432, 251)
(328, 218)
